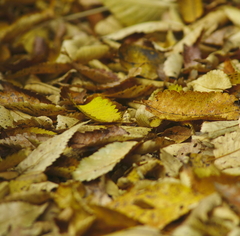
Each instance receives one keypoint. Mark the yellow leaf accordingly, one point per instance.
(101, 109)
(136, 11)
(157, 204)
(190, 10)
(175, 87)
(190, 105)
(214, 80)
(102, 161)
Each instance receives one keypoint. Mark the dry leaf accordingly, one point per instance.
(227, 155)
(147, 59)
(214, 80)
(47, 152)
(181, 106)
(133, 12)
(24, 214)
(102, 161)
(157, 204)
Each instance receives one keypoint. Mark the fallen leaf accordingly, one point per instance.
(190, 10)
(23, 213)
(157, 204)
(102, 161)
(182, 106)
(148, 59)
(47, 152)
(101, 109)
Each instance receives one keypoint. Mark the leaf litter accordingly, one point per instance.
(119, 118)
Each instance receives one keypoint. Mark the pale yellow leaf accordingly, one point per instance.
(47, 152)
(214, 80)
(87, 53)
(18, 214)
(233, 14)
(217, 128)
(6, 120)
(107, 25)
(189, 39)
(101, 109)
(102, 161)
(145, 27)
(173, 65)
(227, 151)
(136, 11)
(64, 122)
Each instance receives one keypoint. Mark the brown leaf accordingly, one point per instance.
(96, 137)
(182, 106)
(14, 94)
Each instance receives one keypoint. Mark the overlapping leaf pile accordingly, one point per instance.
(119, 117)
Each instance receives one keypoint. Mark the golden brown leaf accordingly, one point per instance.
(182, 106)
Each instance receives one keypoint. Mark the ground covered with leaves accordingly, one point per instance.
(119, 117)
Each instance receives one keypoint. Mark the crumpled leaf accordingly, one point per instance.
(101, 109)
(24, 214)
(214, 80)
(190, 105)
(47, 152)
(102, 161)
(136, 11)
(156, 204)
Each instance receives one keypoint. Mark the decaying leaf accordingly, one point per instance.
(181, 106)
(101, 109)
(102, 161)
